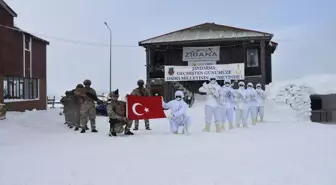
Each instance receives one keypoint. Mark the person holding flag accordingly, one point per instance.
(178, 117)
(141, 91)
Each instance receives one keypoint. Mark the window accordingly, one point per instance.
(252, 58)
(27, 44)
(20, 88)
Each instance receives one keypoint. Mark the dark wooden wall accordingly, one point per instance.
(5, 17)
(230, 52)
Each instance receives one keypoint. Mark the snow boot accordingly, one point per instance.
(231, 126)
(112, 133)
(223, 126)
(218, 128)
(129, 133)
(135, 128)
(76, 128)
(148, 128)
(254, 121)
(70, 127)
(82, 131)
(207, 127)
(94, 130)
(87, 128)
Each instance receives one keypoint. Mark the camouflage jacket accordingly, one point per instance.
(70, 102)
(81, 94)
(141, 92)
(116, 110)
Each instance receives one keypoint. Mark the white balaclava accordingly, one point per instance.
(212, 79)
(241, 85)
(179, 95)
(227, 83)
(258, 86)
(249, 85)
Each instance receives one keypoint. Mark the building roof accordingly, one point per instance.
(31, 35)
(206, 32)
(6, 7)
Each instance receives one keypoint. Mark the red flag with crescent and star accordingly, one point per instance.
(144, 107)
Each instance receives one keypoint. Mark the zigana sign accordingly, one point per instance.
(203, 72)
(201, 53)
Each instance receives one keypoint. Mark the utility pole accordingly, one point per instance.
(110, 55)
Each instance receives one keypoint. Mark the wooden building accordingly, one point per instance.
(23, 65)
(237, 45)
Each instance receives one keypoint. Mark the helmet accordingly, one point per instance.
(249, 84)
(87, 82)
(80, 86)
(241, 83)
(258, 85)
(227, 82)
(140, 82)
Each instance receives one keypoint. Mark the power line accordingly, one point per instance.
(81, 42)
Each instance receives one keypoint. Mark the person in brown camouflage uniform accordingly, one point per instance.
(87, 97)
(70, 103)
(141, 91)
(77, 108)
(116, 111)
(3, 111)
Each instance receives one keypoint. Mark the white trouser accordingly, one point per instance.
(252, 111)
(226, 113)
(175, 124)
(241, 117)
(212, 112)
(260, 111)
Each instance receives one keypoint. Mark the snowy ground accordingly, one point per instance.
(37, 149)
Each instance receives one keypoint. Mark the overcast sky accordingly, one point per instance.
(305, 30)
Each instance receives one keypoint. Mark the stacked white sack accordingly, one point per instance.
(297, 97)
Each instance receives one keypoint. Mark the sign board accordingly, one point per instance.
(201, 53)
(201, 63)
(201, 73)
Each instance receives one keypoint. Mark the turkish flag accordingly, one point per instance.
(144, 107)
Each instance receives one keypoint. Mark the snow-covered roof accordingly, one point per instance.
(205, 32)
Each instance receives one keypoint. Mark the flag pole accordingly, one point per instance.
(126, 107)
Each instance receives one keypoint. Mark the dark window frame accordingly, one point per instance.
(18, 88)
(248, 53)
(27, 44)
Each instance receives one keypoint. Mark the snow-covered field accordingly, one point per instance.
(37, 149)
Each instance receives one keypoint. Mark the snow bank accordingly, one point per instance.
(294, 96)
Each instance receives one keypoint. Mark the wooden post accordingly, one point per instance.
(263, 62)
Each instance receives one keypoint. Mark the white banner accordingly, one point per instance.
(201, 53)
(200, 73)
(201, 63)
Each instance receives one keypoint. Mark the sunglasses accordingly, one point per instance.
(241, 85)
(178, 96)
(212, 79)
(227, 83)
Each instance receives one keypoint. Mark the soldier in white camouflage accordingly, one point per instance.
(116, 111)
(141, 91)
